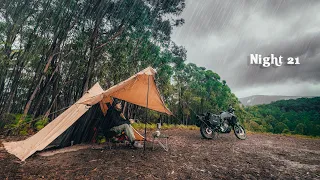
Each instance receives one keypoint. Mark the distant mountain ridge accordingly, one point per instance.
(265, 99)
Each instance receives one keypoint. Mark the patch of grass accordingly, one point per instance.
(164, 126)
(189, 127)
(138, 126)
(141, 126)
(193, 127)
(167, 126)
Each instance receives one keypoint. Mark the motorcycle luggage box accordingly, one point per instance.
(215, 120)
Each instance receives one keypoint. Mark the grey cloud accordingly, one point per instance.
(205, 16)
(221, 34)
(282, 8)
(307, 48)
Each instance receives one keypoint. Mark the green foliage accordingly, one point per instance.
(23, 132)
(57, 49)
(198, 91)
(280, 127)
(299, 129)
(300, 116)
(141, 126)
(41, 123)
(166, 126)
(138, 125)
(16, 126)
(5, 120)
(67, 46)
(101, 139)
(286, 131)
(254, 126)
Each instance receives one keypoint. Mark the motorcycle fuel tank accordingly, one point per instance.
(225, 115)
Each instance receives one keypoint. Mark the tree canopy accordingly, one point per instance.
(300, 116)
(52, 51)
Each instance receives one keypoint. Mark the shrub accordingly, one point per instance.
(280, 126)
(23, 133)
(300, 128)
(15, 125)
(101, 139)
(41, 123)
(286, 131)
(5, 121)
(254, 126)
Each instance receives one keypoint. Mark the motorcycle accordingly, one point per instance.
(211, 124)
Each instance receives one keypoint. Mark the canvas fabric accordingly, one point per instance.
(140, 89)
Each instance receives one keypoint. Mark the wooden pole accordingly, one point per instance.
(145, 122)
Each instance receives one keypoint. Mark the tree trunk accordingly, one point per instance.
(15, 83)
(60, 34)
(2, 91)
(33, 95)
(45, 89)
(91, 61)
(52, 104)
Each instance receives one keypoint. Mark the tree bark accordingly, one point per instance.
(91, 61)
(45, 89)
(15, 81)
(121, 28)
(33, 95)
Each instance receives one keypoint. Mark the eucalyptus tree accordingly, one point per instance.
(53, 50)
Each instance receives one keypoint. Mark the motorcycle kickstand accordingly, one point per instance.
(217, 134)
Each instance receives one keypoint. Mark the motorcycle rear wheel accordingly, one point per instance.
(206, 131)
(239, 131)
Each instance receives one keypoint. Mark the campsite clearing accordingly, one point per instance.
(261, 156)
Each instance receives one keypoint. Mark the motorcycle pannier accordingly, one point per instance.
(215, 120)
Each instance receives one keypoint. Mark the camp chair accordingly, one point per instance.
(113, 138)
(157, 136)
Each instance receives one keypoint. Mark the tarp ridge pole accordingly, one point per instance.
(145, 122)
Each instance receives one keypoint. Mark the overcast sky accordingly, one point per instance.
(221, 34)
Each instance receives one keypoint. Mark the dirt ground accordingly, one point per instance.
(261, 156)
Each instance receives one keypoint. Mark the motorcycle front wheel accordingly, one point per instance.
(239, 131)
(206, 131)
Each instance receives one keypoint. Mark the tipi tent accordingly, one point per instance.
(77, 122)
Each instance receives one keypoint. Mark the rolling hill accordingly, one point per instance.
(264, 99)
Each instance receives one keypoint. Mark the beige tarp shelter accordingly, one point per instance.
(139, 89)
